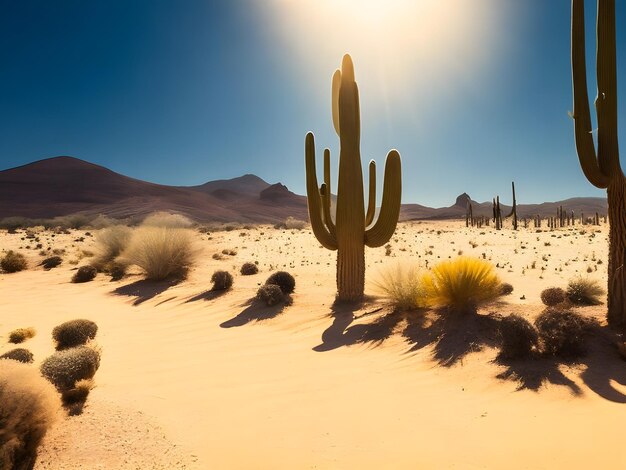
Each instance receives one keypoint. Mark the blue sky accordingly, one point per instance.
(182, 92)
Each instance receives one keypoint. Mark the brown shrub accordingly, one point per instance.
(28, 408)
(20, 355)
(20, 335)
(84, 274)
(13, 262)
(65, 368)
(74, 333)
(553, 296)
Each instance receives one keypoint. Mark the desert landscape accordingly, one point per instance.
(220, 322)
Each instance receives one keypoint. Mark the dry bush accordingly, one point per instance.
(167, 220)
(20, 355)
(84, 274)
(79, 393)
(563, 333)
(51, 262)
(28, 408)
(65, 368)
(13, 262)
(585, 291)
(552, 296)
(161, 252)
(222, 280)
(518, 338)
(20, 335)
(74, 333)
(403, 286)
(110, 243)
(248, 269)
(284, 280)
(291, 223)
(270, 294)
(506, 288)
(462, 284)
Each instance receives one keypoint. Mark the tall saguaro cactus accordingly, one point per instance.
(352, 228)
(602, 169)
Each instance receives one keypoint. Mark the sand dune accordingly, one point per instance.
(194, 380)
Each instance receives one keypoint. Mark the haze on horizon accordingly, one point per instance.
(473, 93)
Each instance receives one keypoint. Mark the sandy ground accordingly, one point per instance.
(190, 380)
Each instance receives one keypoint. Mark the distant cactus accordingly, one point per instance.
(602, 168)
(352, 228)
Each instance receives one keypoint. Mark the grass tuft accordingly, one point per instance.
(585, 291)
(403, 287)
(13, 262)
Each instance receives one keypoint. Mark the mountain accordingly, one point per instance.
(65, 185)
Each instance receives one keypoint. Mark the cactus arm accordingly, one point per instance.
(606, 101)
(335, 99)
(585, 147)
(380, 233)
(327, 195)
(314, 199)
(371, 202)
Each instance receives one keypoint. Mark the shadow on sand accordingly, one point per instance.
(256, 311)
(452, 337)
(145, 290)
(208, 295)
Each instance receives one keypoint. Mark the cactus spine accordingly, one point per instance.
(602, 169)
(352, 228)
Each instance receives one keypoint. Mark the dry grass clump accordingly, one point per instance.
(270, 294)
(13, 262)
(20, 335)
(110, 243)
(553, 296)
(28, 408)
(248, 269)
(284, 280)
(563, 333)
(20, 355)
(51, 262)
(585, 291)
(74, 333)
(291, 223)
(222, 280)
(167, 220)
(161, 252)
(462, 284)
(79, 393)
(518, 336)
(506, 288)
(403, 286)
(84, 274)
(65, 368)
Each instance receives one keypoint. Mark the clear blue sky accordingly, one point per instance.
(473, 94)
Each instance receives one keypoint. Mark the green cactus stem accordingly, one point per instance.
(352, 227)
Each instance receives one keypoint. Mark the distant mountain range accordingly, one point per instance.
(65, 185)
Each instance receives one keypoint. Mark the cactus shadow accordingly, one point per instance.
(452, 336)
(256, 311)
(145, 289)
(340, 333)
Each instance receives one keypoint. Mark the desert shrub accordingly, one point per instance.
(13, 262)
(462, 284)
(74, 221)
(84, 274)
(552, 296)
(161, 252)
(518, 337)
(248, 269)
(284, 280)
(28, 408)
(110, 243)
(403, 286)
(74, 333)
(51, 262)
(270, 294)
(295, 224)
(562, 332)
(66, 367)
(167, 220)
(20, 355)
(15, 222)
(506, 288)
(79, 393)
(20, 335)
(103, 221)
(116, 270)
(585, 291)
(222, 280)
